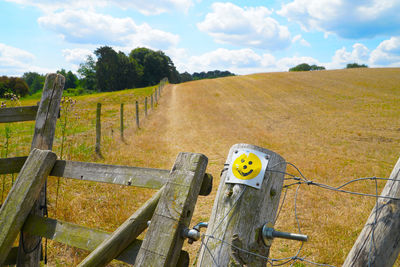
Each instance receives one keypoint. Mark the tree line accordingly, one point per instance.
(306, 67)
(110, 71)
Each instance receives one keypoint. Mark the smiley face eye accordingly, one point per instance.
(250, 162)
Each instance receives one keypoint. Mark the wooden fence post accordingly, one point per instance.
(121, 116)
(151, 101)
(163, 241)
(22, 196)
(137, 115)
(240, 211)
(145, 106)
(43, 137)
(378, 243)
(98, 130)
(155, 96)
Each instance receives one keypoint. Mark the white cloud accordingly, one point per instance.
(241, 61)
(298, 38)
(89, 27)
(249, 26)
(154, 7)
(359, 54)
(148, 7)
(387, 53)
(15, 61)
(348, 19)
(76, 55)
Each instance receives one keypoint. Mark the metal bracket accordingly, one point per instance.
(194, 234)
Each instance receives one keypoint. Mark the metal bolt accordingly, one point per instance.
(268, 234)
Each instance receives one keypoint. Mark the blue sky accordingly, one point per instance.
(201, 35)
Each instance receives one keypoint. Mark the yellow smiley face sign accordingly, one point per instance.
(246, 167)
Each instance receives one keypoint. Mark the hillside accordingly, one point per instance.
(333, 125)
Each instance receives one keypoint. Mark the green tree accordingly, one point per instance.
(87, 72)
(306, 67)
(185, 77)
(70, 78)
(14, 85)
(315, 67)
(355, 65)
(301, 67)
(106, 69)
(34, 80)
(156, 66)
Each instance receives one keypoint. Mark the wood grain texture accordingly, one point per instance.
(380, 234)
(45, 126)
(163, 241)
(11, 165)
(22, 196)
(239, 213)
(16, 114)
(113, 174)
(112, 246)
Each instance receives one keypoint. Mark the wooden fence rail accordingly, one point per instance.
(103, 173)
(16, 114)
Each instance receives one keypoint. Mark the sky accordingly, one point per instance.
(199, 35)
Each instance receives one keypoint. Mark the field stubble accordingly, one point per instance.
(333, 125)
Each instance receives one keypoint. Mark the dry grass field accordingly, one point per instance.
(333, 125)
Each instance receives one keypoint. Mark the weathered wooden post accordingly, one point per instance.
(159, 91)
(98, 130)
(164, 239)
(378, 243)
(151, 102)
(145, 106)
(155, 96)
(137, 115)
(121, 116)
(45, 126)
(240, 209)
(23, 194)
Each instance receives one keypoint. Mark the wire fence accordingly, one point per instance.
(299, 181)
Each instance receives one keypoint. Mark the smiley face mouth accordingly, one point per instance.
(244, 174)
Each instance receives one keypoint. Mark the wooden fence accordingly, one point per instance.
(170, 209)
(155, 95)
